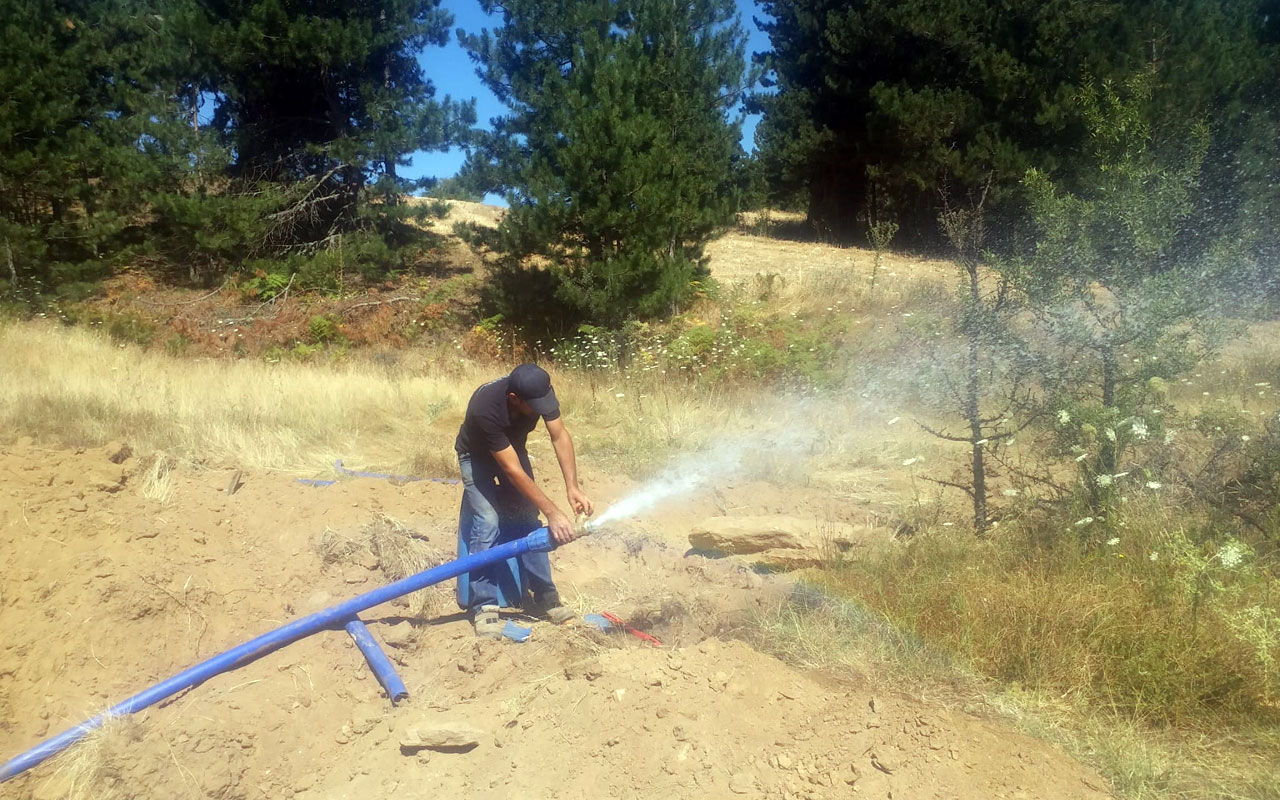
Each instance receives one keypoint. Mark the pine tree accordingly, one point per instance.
(617, 155)
(319, 103)
(86, 133)
(918, 95)
(1128, 311)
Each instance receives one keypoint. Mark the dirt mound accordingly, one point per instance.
(111, 585)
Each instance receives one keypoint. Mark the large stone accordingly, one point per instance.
(445, 738)
(746, 535)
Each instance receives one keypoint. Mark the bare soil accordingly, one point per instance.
(105, 592)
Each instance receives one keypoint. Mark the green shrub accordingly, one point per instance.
(322, 329)
(1152, 618)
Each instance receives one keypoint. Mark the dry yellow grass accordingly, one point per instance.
(73, 386)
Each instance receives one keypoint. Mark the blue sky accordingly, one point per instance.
(453, 74)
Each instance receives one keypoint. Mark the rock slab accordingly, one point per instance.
(444, 738)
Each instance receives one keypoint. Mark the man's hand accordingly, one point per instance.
(560, 526)
(579, 502)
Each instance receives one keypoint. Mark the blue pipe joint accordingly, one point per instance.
(540, 541)
(381, 665)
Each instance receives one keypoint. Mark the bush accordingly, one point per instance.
(1153, 618)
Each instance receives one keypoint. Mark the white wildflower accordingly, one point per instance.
(1244, 438)
(1139, 428)
(1063, 417)
(1080, 523)
(1102, 480)
(1232, 553)
(1113, 541)
(1111, 434)
(1154, 484)
(1154, 555)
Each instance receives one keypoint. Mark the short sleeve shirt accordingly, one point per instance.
(490, 426)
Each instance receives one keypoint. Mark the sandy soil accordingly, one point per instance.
(106, 592)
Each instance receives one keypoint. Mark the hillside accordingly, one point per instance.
(155, 518)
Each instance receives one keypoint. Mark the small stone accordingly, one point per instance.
(742, 783)
(78, 505)
(885, 762)
(784, 761)
(399, 635)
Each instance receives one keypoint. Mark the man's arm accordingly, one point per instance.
(563, 444)
(559, 525)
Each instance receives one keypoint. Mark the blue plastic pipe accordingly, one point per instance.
(382, 667)
(539, 541)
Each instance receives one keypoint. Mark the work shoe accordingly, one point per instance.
(487, 623)
(554, 610)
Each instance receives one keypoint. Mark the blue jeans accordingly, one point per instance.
(493, 512)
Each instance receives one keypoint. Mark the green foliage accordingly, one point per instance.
(322, 329)
(922, 95)
(745, 345)
(616, 155)
(1127, 309)
(85, 130)
(314, 106)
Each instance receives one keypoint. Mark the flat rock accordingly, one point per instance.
(747, 535)
(444, 738)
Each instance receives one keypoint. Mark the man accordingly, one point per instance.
(500, 500)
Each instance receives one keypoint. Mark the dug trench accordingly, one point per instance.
(106, 591)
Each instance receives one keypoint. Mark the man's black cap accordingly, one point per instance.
(532, 384)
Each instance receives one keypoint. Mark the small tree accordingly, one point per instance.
(1125, 312)
(617, 155)
(881, 228)
(983, 379)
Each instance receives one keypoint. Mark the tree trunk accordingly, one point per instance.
(1108, 456)
(1108, 452)
(972, 412)
(8, 258)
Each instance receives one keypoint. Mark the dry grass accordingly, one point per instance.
(792, 274)
(398, 551)
(157, 478)
(91, 769)
(74, 387)
(401, 552)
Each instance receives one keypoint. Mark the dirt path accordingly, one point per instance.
(105, 592)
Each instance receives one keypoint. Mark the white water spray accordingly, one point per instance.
(695, 471)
